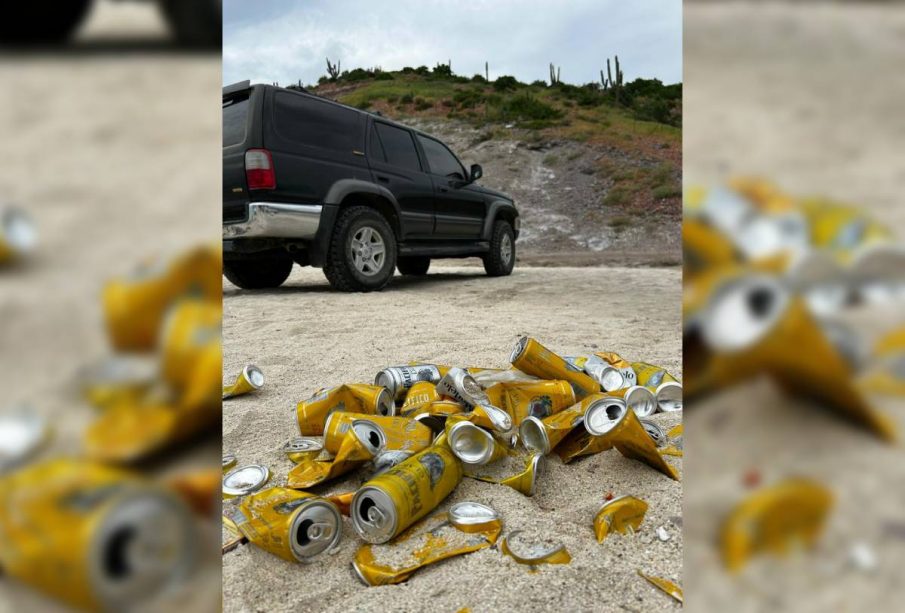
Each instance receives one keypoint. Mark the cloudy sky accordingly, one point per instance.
(288, 40)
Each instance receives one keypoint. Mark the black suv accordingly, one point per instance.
(311, 181)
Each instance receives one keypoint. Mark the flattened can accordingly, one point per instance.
(434, 415)
(293, 525)
(473, 444)
(622, 514)
(627, 435)
(389, 503)
(462, 387)
(302, 448)
(420, 395)
(351, 398)
(353, 453)
(474, 517)
(532, 358)
(64, 525)
(398, 379)
(541, 399)
(581, 443)
(384, 433)
(544, 435)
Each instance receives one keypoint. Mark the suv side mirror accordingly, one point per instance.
(476, 172)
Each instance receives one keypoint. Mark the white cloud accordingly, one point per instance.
(286, 40)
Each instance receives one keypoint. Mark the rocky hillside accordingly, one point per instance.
(596, 183)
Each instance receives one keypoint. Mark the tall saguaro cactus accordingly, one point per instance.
(554, 74)
(608, 83)
(333, 69)
(487, 71)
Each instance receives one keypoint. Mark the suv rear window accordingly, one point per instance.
(316, 123)
(399, 146)
(440, 159)
(234, 117)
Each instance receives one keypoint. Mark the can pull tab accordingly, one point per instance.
(322, 531)
(376, 516)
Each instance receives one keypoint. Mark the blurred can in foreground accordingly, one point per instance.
(95, 537)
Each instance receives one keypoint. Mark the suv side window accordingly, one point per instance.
(316, 123)
(375, 149)
(440, 159)
(399, 146)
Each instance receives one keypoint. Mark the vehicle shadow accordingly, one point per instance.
(105, 47)
(398, 284)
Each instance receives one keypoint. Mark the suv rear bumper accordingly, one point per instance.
(277, 220)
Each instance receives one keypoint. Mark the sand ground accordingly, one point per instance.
(305, 336)
(809, 96)
(112, 170)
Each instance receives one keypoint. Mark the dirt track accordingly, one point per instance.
(305, 336)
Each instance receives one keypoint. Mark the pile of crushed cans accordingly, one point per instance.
(767, 277)
(421, 428)
(89, 528)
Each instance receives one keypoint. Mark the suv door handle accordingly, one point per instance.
(383, 179)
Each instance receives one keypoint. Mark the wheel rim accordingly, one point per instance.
(506, 249)
(368, 251)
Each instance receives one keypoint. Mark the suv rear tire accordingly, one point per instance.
(501, 259)
(413, 265)
(362, 253)
(258, 273)
(42, 22)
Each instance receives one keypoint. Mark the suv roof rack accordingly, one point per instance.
(235, 88)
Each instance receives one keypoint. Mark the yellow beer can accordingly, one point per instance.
(540, 399)
(420, 395)
(383, 433)
(389, 503)
(399, 379)
(296, 526)
(95, 537)
(435, 538)
(626, 434)
(249, 380)
(532, 358)
(351, 398)
(543, 435)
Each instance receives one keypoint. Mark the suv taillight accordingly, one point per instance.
(259, 171)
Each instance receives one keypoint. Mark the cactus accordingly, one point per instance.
(333, 69)
(487, 71)
(554, 74)
(608, 83)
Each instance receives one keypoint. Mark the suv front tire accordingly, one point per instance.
(501, 259)
(362, 254)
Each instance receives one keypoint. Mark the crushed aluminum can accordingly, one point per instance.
(770, 519)
(398, 379)
(389, 503)
(136, 306)
(458, 385)
(17, 234)
(666, 387)
(523, 481)
(22, 432)
(639, 399)
(420, 395)
(627, 435)
(619, 374)
(580, 443)
(433, 539)
(302, 448)
(664, 585)
(533, 553)
(350, 398)
(543, 435)
(353, 453)
(494, 418)
(655, 432)
(378, 432)
(244, 480)
(472, 444)
(623, 514)
(249, 380)
(782, 339)
(64, 522)
(531, 399)
(473, 517)
(296, 526)
(435, 414)
(229, 460)
(530, 357)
